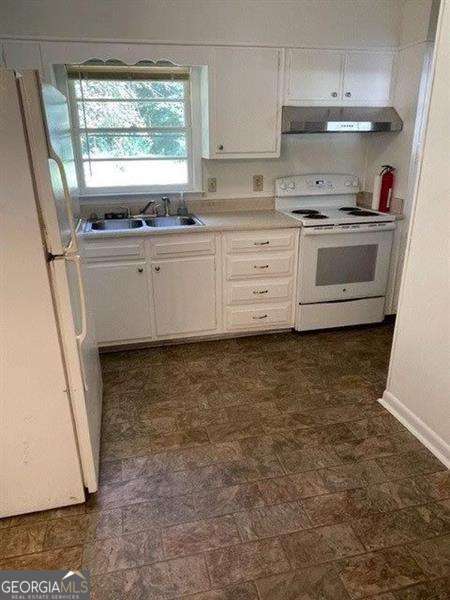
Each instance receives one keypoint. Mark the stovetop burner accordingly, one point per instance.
(317, 216)
(305, 211)
(347, 208)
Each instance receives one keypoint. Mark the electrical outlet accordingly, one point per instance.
(212, 184)
(258, 183)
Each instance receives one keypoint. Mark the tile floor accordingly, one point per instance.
(260, 468)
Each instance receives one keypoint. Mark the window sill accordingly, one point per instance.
(126, 195)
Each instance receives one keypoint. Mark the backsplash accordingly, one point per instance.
(194, 205)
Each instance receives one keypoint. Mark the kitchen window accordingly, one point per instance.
(132, 129)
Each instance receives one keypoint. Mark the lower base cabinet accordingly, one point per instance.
(120, 298)
(190, 285)
(184, 293)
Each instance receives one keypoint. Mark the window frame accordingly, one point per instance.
(193, 146)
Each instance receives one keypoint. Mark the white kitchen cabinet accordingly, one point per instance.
(337, 77)
(259, 269)
(244, 99)
(22, 54)
(314, 75)
(368, 77)
(120, 297)
(184, 293)
(248, 318)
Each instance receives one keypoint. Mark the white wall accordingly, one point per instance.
(338, 153)
(344, 23)
(396, 149)
(418, 387)
(415, 21)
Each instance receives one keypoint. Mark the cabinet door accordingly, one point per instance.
(121, 301)
(22, 55)
(184, 292)
(245, 112)
(313, 75)
(368, 77)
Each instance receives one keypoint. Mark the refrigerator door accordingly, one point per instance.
(48, 129)
(82, 361)
(39, 458)
(48, 134)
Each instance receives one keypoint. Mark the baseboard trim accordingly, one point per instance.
(417, 427)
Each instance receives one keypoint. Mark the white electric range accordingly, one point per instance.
(344, 251)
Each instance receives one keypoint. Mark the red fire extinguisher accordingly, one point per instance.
(387, 187)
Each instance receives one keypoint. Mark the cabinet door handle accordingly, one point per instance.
(261, 243)
(140, 270)
(348, 94)
(261, 317)
(157, 269)
(260, 291)
(334, 94)
(260, 266)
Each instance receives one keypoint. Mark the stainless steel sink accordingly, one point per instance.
(173, 221)
(116, 224)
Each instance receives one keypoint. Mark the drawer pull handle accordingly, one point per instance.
(260, 291)
(260, 266)
(262, 317)
(261, 243)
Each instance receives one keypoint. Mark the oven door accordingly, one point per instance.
(344, 261)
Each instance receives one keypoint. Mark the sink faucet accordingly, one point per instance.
(146, 207)
(166, 201)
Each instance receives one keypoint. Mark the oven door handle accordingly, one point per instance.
(338, 229)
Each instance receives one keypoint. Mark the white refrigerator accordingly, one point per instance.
(50, 378)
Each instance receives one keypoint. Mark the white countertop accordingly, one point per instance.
(224, 221)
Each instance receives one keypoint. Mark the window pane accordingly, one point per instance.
(129, 89)
(135, 145)
(135, 172)
(95, 115)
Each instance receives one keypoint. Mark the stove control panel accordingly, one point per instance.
(317, 184)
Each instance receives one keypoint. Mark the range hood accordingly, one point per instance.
(335, 119)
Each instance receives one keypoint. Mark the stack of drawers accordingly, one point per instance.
(259, 279)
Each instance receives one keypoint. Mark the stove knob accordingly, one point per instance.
(355, 183)
(283, 186)
(292, 186)
(348, 183)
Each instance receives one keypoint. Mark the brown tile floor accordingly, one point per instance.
(252, 469)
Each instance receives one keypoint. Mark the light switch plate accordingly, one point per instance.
(212, 184)
(258, 183)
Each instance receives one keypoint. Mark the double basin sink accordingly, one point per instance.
(138, 223)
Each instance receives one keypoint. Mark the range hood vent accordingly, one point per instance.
(338, 119)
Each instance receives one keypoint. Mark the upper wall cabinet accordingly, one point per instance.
(242, 117)
(328, 77)
(367, 77)
(314, 75)
(22, 55)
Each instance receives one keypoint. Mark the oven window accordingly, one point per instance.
(346, 264)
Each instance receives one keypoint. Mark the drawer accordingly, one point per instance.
(259, 241)
(258, 317)
(259, 266)
(162, 246)
(243, 292)
(106, 250)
